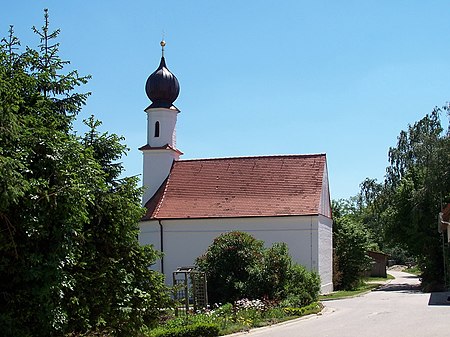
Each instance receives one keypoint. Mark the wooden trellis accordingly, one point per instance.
(190, 290)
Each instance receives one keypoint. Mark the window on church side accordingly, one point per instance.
(157, 129)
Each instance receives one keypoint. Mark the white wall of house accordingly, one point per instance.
(325, 234)
(325, 202)
(157, 165)
(186, 239)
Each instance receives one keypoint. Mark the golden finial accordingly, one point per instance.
(163, 44)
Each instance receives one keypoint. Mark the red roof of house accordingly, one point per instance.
(240, 187)
(446, 213)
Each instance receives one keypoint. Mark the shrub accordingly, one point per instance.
(303, 287)
(227, 263)
(313, 308)
(268, 278)
(238, 266)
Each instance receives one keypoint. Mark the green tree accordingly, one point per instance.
(70, 261)
(129, 294)
(41, 190)
(351, 243)
(417, 184)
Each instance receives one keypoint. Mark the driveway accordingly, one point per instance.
(396, 309)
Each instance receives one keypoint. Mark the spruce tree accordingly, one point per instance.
(70, 261)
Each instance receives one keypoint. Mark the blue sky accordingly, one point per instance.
(259, 77)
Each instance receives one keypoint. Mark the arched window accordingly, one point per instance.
(157, 129)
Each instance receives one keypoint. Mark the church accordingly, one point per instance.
(275, 198)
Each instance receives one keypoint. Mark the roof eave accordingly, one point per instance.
(230, 217)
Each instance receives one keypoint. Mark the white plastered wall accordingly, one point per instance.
(186, 239)
(325, 242)
(167, 119)
(158, 162)
(157, 165)
(325, 203)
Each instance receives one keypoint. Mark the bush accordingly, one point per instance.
(227, 263)
(269, 278)
(238, 266)
(193, 330)
(313, 308)
(303, 287)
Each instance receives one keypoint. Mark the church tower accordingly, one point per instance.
(162, 89)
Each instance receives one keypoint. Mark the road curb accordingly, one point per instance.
(324, 310)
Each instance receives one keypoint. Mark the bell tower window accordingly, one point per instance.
(157, 129)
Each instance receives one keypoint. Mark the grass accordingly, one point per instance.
(370, 283)
(413, 270)
(336, 295)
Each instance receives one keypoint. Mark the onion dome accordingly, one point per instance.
(162, 86)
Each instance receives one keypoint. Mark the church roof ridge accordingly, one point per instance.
(273, 156)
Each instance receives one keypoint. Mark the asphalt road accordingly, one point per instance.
(397, 309)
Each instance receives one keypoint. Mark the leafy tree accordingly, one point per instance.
(351, 243)
(417, 184)
(401, 213)
(369, 212)
(70, 261)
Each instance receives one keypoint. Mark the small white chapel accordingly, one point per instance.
(275, 198)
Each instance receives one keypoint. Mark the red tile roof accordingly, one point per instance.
(446, 213)
(240, 187)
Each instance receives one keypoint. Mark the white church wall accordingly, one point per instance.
(325, 203)
(167, 119)
(186, 239)
(149, 234)
(158, 162)
(325, 241)
(157, 165)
